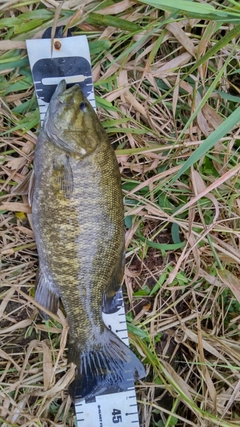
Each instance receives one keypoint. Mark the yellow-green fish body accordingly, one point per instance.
(78, 222)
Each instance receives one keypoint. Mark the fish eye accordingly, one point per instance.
(83, 106)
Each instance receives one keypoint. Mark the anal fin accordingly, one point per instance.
(112, 303)
(45, 296)
(112, 294)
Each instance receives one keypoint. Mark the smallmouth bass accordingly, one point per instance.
(78, 213)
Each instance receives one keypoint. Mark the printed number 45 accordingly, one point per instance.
(116, 416)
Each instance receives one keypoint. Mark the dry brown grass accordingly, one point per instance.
(182, 301)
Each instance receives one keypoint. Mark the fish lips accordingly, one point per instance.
(61, 91)
(61, 87)
(66, 95)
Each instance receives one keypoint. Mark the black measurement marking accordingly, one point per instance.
(121, 330)
(131, 413)
(116, 416)
(61, 67)
(100, 416)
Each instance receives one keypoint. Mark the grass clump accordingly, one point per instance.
(168, 91)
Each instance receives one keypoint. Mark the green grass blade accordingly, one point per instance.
(184, 5)
(216, 48)
(113, 21)
(206, 145)
(162, 246)
(207, 94)
(201, 10)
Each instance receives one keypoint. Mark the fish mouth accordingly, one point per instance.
(61, 87)
(65, 95)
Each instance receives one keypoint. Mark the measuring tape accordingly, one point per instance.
(49, 70)
(110, 408)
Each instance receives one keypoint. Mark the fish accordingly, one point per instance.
(78, 222)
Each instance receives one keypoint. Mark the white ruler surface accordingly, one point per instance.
(70, 60)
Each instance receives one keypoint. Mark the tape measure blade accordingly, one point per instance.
(108, 410)
(49, 70)
(116, 320)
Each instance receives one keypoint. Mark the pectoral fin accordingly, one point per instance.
(26, 187)
(45, 295)
(63, 175)
(110, 302)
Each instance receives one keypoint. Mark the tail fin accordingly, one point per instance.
(108, 365)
